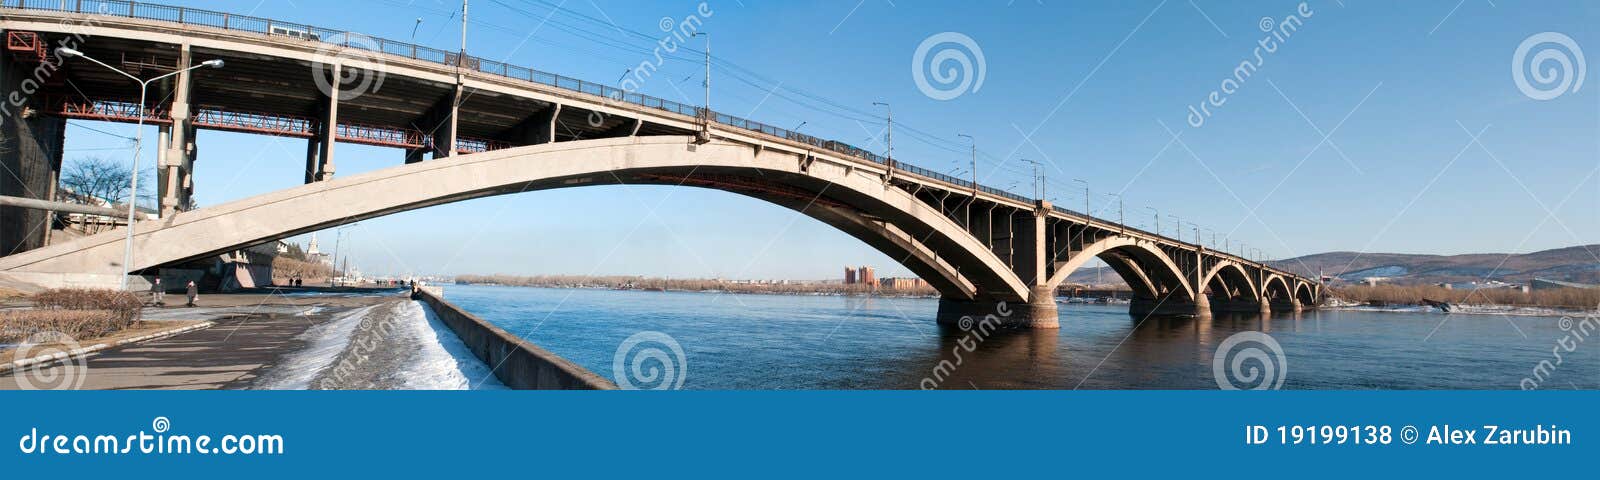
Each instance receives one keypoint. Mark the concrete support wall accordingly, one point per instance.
(30, 156)
(327, 135)
(444, 117)
(516, 362)
(175, 157)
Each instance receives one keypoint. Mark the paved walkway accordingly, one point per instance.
(253, 332)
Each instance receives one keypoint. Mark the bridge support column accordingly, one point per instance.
(328, 134)
(313, 146)
(30, 160)
(175, 149)
(444, 116)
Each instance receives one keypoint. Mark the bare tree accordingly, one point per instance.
(98, 178)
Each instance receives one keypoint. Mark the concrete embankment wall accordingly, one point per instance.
(516, 362)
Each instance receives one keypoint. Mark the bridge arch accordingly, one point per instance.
(858, 202)
(1275, 288)
(1305, 293)
(1234, 281)
(1148, 270)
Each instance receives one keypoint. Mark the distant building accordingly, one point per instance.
(859, 275)
(902, 283)
(315, 255)
(1543, 284)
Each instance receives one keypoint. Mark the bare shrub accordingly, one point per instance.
(1585, 298)
(122, 307)
(18, 325)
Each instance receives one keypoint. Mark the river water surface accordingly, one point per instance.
(826, 342)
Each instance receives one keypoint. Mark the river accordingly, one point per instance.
(730, 341)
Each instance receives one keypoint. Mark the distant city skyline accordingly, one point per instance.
(1412, 137)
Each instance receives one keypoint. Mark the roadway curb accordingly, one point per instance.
(79, 352)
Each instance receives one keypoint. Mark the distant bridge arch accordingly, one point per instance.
(1148, 270)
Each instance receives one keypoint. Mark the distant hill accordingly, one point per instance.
(1571, 264)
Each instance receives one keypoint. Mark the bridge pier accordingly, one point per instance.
(1036, 314)
(30, 157)
(1171, 304)
(175, 146)
(1239, 305)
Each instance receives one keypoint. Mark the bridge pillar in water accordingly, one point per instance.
(1171, 303)
(1028, 254)
(175, 146)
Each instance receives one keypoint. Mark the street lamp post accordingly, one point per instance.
(706, 129)
(1158, 218)
(138, 143)
(1121, 222)
(888, 138)
(974, 162)
(1088, 211)
(1038, 187)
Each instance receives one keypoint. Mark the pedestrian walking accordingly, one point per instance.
(158, 293)
(194, 293)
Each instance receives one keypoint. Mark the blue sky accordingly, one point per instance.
(1091, 91)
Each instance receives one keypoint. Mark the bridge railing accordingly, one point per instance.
(304, 32)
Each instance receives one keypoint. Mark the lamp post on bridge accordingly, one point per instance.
(1038, 177)
(974, 162)
(1088, 210)
(1158, 218)
(888, 138)
(705, 131)
(1121, 222)
(138, 144)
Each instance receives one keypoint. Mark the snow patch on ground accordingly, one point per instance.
(442, 362)
(325, 342)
